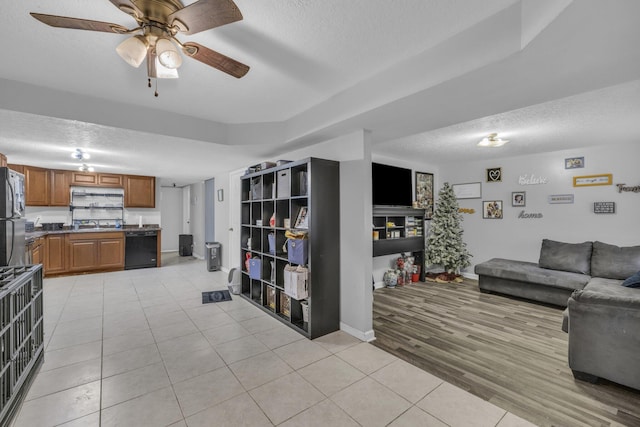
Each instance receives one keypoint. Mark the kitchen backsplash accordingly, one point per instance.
(53, 214)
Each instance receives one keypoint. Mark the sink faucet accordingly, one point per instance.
(96, 223)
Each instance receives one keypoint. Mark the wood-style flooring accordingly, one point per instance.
(507, 351)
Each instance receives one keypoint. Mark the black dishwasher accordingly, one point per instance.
(141, 249)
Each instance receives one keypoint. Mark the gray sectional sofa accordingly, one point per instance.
(602, 316)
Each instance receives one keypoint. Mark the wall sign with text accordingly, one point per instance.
(604, 207)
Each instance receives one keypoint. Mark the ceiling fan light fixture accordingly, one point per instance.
(156, 70)
(80, 155)
(133, 50)
(168, 54)
(85, 168)
(492, 140)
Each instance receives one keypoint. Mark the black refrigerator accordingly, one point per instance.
(12, 221)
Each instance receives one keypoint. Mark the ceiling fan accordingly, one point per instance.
(154, 38)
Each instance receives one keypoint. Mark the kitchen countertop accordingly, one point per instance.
(31, 236)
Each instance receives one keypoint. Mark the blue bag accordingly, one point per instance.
(255, 268)
(297, 251)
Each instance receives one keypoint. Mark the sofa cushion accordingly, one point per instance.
(608, 292)
(632, 281)
(529, 272)
(614, 262)
(573, 257)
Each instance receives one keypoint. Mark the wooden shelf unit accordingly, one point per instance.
(282, 191)
(400, 229)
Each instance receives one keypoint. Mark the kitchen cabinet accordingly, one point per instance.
(36, 181)
(95, 179)
(110, 180)
(84, 178)
(55, 254)
(59, 187)
(35, 251)
(139, 191)
(50, 187)
(95, 251)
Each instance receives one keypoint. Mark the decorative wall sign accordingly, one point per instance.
(471, 190)
(518, 198)
(574, 163)
(531, 180)
(560, 198)
(591, 180)
(494, 174)
(469, 211)
(492, 209)
(624, 188)
(604, 207)
(528, 215)
(424, 192)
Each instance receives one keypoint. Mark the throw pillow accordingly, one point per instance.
(614, 262)
(633, 281)
(572, 257)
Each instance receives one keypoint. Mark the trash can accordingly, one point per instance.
(235, 281)
(214, 260)
(185, 244)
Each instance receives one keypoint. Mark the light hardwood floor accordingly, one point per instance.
(507, 351)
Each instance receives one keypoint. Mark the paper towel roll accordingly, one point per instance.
(140, 222)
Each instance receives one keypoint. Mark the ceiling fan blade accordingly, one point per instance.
(79, 24)
(204, 15)
(215, 59)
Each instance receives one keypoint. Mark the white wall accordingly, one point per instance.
(517, 238)
(171, 211)
(196, 227)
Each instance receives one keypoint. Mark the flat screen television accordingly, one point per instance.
(391, 185)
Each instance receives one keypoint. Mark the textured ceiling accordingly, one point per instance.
(428, 78)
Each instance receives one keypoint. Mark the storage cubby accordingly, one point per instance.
(397, 230)
(284, 191)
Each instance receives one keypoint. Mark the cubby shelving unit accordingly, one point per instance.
(399, 229)
(282, 192)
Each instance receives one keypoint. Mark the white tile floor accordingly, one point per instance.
(138, 348)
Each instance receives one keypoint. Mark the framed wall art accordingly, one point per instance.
(518, 198)
(592, 180)
(494, 175)
(492, 209)
(424, 192)
(574, 163)
(470, 190)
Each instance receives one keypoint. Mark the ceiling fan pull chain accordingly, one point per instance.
(156, 93)
(149, 82)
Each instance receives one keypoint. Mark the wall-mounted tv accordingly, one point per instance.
(391, 185)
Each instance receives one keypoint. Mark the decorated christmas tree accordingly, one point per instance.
(444, 242)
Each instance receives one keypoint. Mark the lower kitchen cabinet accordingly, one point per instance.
(96, 251)
(55, 254)
(37, 251)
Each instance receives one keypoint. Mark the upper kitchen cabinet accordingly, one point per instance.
(110, 180)
(84, 178)
(94, 179)
(59, 187)
(139, 191)
(36, 182)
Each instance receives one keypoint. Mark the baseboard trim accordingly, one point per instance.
(470, 276)
(367, 336)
